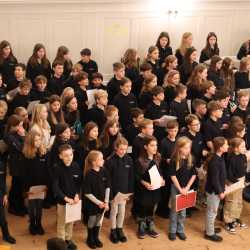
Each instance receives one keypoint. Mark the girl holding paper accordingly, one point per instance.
(182, 173)
(236, 169)
(35, 164)
(148, 194)
(96, 189)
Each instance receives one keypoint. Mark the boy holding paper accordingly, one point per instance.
(182, 172)
(67, 183)
(121, 171)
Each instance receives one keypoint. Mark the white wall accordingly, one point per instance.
(109, 27)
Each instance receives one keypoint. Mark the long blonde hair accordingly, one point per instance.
(91, 157)
(176, 156)
(29, 149)
(36, 117)
(183, 46)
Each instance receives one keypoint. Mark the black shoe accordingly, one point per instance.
(141, 230)
(230, 228)
(9, 239)
(215, 237)
(16, 213)
(181, 236)
(189, 212)
(113, 236)
(172, 236)
(120, 235)
(32, 229)
(217, 230)
(96, 231)
(40, 230)
(90, 239)
(71, 245)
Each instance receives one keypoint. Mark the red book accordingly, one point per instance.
(185, 201)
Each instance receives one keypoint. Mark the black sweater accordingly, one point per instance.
(121, 172)
(215, 77)
(113, 88)
(236, 167)
(90, 67)
(216, 175)
(206, 54)
(7, 69)
(163, 53)
(35, 171)
(67, 181)
(2, 180)
(241, 80)
(96, 115)
(56, 85)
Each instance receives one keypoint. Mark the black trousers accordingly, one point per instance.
(145, 211)
(3, 221)
(16, 194)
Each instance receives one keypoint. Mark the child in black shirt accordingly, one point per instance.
(236, 170)
(19, 76)
(208, 89)
(81, 94)
(22, 98)
(3, 90)
(242, 75)
(40, 92)
(113, 86)
(156, 110)
(36, 171)
(67, 185)
(179, 106)
(88, 65)
(183, 175)
(121, 172)
(215, 185)
(134, 129)
(56, 83)
(125, 101)
(213, 126)
(97, 81)
(96, 189)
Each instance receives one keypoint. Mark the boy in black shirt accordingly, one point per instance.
(56, 83)
(19, 75)
(145, 72)
(179, 106)
(213, 126)
(97, 81)
(81, 94)
(67, 183)
(88, 65)
(156, 110)
(200, 109)
(133, 130)
(22, 98)
(208, 89)
(125, 101)
(96, 113)
(113, 86)
(40, 92)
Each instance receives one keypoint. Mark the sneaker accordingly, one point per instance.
(141, 230)
(241, 224)
(71, 245)
(152, 233)
(230, 228)
(215, 237)
(172, 236)
(181, 236)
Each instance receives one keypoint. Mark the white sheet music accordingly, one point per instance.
(73, 212)
(155, 177)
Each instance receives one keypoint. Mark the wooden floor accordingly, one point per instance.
(194, 231)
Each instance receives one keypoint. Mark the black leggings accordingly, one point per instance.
(35, 209)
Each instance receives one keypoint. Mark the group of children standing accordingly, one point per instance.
(74, 152)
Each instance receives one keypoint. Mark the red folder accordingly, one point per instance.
(185, 201)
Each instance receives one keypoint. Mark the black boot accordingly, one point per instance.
(141, 229)
(6, 235)
(32, 227)
(96, 237)
(113, 236)
(90, 239)
(39, 227)
(121, 235)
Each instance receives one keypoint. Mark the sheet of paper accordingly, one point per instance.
(37, 192)
(235, 186)
(155, 177)
(73, 212)
(91, 98)
(129, 150)
(120, 197)
(165, 119)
